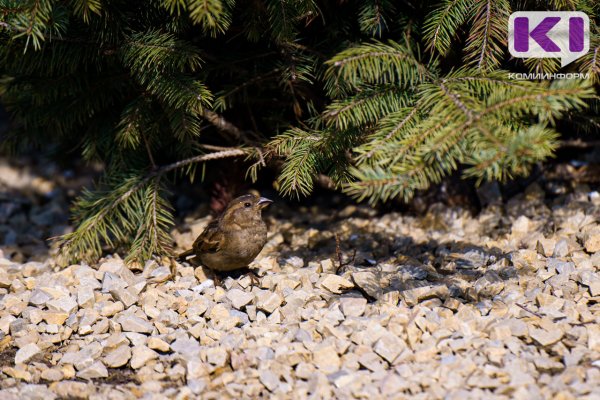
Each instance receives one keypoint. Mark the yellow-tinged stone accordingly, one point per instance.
(53, 317)
(544, 337)
(593, 331)
(5, 342)
(158, 344)
(52, 375)
(17, 373)
(336, 284)
(592, 243)
(68, 371)
(501, 332)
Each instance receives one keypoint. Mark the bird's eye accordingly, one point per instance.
(247, 205)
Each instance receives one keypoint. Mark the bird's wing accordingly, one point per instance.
(210, 240)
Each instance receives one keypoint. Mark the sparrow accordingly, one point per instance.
(235, 238)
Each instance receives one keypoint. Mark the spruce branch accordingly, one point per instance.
(375, 63)
(231, 132)
(442, 24)
(590, 62)
(152, 236)
(366, 107)
(462, 118)
(84, 8)
(456, 100)
(487, 38)
(390, 126)
(213, 15)
(373, 16)
(128, 205)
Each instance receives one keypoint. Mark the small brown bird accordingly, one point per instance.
(234, 239)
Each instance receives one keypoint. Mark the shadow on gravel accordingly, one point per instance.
(35, 195)
(380, 264)
(117, 376)
(7, 357)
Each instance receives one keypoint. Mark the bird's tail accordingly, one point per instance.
(183, 256)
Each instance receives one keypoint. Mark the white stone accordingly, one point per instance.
(158, 344)
(26, 353)
(268, 301)
(389, 346)
(66, 304)
(187, 348)
(111, 281)
(544, 337)
(85, 296)
(239, 298)
(94, 371)
(141, 355)
(353, 306)
(326, 359)
(125, 295)
(592, 243)
(133, 323)
(72, 389)
(268, 379)
(216, 356)
(336, 284)
(118, 357)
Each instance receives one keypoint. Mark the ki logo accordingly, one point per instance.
(545, 34)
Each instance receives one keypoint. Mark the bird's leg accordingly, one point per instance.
(217, 279)
(254, 279)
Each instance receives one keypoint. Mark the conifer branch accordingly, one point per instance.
(442, 24)
(231, 132)
(120, 215)
(224, 153)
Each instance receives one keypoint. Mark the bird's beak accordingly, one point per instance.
(263, 202)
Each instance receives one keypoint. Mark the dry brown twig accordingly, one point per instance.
(340, 256)
(528, 310)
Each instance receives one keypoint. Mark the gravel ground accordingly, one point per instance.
(504, 304)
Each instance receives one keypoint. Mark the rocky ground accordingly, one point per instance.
(504, 304)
